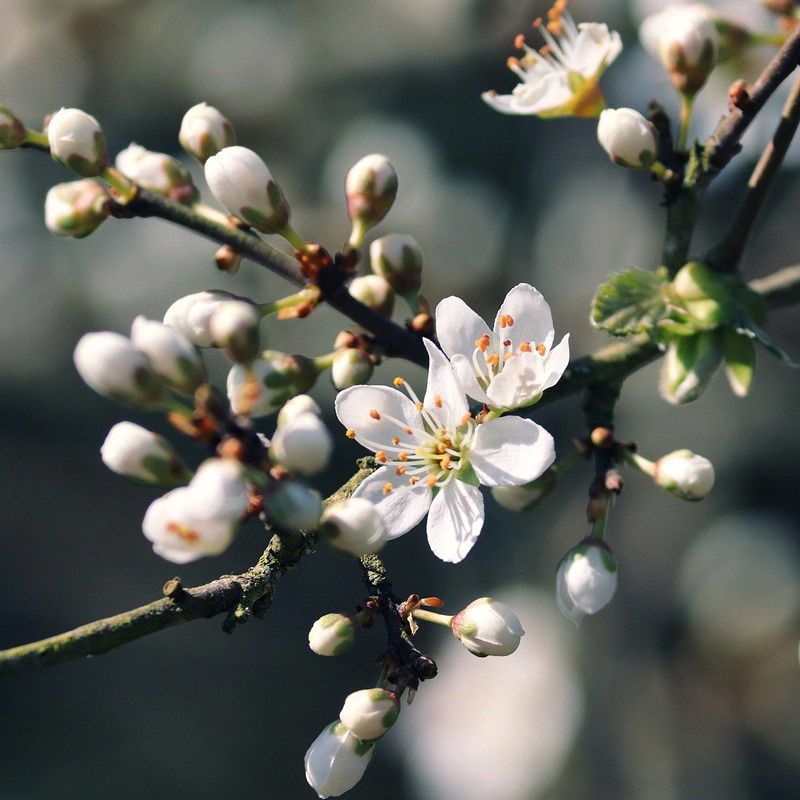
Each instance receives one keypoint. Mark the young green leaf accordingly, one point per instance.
(630, 302)
(740, 361)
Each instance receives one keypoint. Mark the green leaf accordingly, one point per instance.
(740, 361)
(749, 328)
(631, 302)
(690, 364)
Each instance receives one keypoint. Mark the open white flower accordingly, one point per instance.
(560, 79)
(511, 365)
(436, 455)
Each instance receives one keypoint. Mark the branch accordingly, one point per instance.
(779, 290)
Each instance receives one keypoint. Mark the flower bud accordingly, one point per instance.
(686, 41)
(369, 713)
(336, 761)
(627, 137)
(303, 445)
(353, 526)
(157, 172)
(351, 367)
(12, 131)
(685, 474)
(269, 382)
(586, 579)
(398, 259)
(488, 628)
(370, 188)
(77, 141)
(689, 365)
(234, 327)
(332, 634)
(302, 404)
(697, 281)
(375, 292)
(241, 181)
(293, 506)
(171, 354)
(204, 132)
(142, 456)
(527, 496)
(113, 367)
(76, 208)
(220, 490)
(191, 315)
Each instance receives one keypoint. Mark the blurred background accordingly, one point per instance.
(686, 686)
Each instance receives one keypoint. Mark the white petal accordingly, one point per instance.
(595, 48)
(403, 507)
(443, 384)
(556, 361)
(465, 372)
(520, 381)
(510, 451)
(458, 327)
(353, 407)
(455, 521)
(530, 313)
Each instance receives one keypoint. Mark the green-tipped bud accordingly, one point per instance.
(375, 292)
(369, 713)
(398, 259)
(77, 141)
(586, 580)
(76, 208)
(684, 474)
(204, 132)
(370, 188)
(351, 367)
(488, 628)
(740, 361)
(689, 365)
(234, 327)
(157, 172)
(12, 131)
(332, 635)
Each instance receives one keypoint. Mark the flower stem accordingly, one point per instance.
(37, 139)
(125, 187)
(324, 362)
(687, 102)
(641, 463)
(563, 464)
(292, 237)
(599, 524)
(432, 616)
(176, 406)
(289, 301)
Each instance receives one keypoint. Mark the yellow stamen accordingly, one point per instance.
(401, 470)
(525, 347)
(445, 462)
(395, 440)
(466, 418)
(541, 349)
(413, 481)
(184, 532)
(408, 431)
(350, 433)
(398, 382)
(402, 456)
(380, 456)
(437, 400)
(419, 406)
(387, 487)
(431, 481)
(493, 360)
(374, 414)
(519, 41)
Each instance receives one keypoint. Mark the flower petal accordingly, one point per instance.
(458, 327)
(355, 407)
(595, 48)
(444, 396)
(519, 383)
(556, 362)
(402, 508)
(465, 372)
(510, 451)
(455, 521)
(530, 313)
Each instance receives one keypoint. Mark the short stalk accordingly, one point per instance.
(641, 463)
(324, 362)
(37, 139)
(432, 616)
(384, 678)
(357, 234)
(687, 102)
(599, 525)
(292, 237)
(776, 39)
(660, 172)
(175, 406)
(125, 187)
(303, 296)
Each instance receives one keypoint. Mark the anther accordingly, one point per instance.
(387, 487)
(437, 400)
(380, 456)
(402, 456)
(493, 360)
(413, 481)
(525, 347)
(445, 462)
(537, 23)
(441, 447)
(507, 343)
(519, 41)
(419, 406)
(374, 414)
(395, 440)
(466, 418)
(398, 382)
(541, 349)
(401, 470)
(512, 62)
(350, 433)
(408, 431)
(431, 481)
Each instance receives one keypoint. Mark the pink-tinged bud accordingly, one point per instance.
(157, 172)
(12, 131)
(488, 628)
(76, 208)
(242, 182)
(77, 141)
(204, 132)
(234, 328)
(332, 635)
(398, 259)
(685, 474)
(586, 580)
(303, 445)
(110, 364)
(351, 367)
(353, 526)
(370, 188)
(369, 713)
(336, 761)
(627, 137)
(374, 292)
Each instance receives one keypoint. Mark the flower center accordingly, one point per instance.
(492, 352)
(557, 55)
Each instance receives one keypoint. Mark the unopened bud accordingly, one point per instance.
(242, 182)
(12, 131)
(369, 713)
(586, 579)
(76, 208)
(370, 188)
(293, 506)
(336, 761)
(685, 474)
(697, 281)
(488, 628)
(398, 258)
(627, 137)
(351, 367)
(142, 456)
(77, 141)
(303, 444)
(689, 365)
(302, 404)
(157, 172)
(332, 635)
(353, 526)
(191, 315)
(204, 132)
(375, 292)
(527, 496)
(234, 327)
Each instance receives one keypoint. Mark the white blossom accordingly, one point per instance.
(586, 580)
(336, 761)
(437, 445)
(685, 474)
(351, 367)
(303, 444)
(204, 132)
(142, 456)
(369, 713)
(627, 137)
(398, 259)
(77, 141)
(487, 627)
(354, 526)
(332, 634)
(561, 78)
(511, 365)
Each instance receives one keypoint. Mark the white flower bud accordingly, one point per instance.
(76, 208)
(332, 634)
(219, 489)
(351, 367)
(77, 141)
(113, 367)
(303, 445)
(398, 259)
(527, 496)
(234, 327)
(627, 137)
(354, 526)
(12, 131)
(488, 628)
(369, 713)
(293, 506)
(142, 456)
(157, 172)
(302, 404)
(269, 382)
(242, 182)
(336, 761)
(375, 292)
(586, 580)
(171, 354)
(204, 132)
(685, 474)
(370, 188)
(191, 315)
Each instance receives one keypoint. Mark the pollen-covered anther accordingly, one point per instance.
(350, 433)
(419, 406)
(431, 481)
(519, 41)
(395, 440)
(380, 456)
(493, 360)
(402, 456)
(408, 431)
(398, 382)
(441, 448)
(537, 23)
(541, 349)
(184, 532)
(525, 347)
(446, 461)
(374, 414)
(401, 470)
(483, 342)
(512, 62)
(387, 487)
(437, 400)
(413, 481)
(507, 343)
(466, 418)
